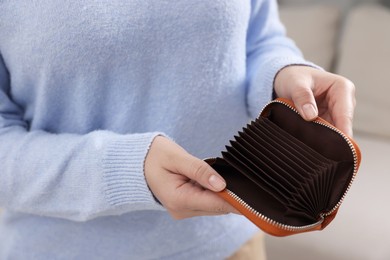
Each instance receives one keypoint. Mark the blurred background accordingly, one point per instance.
(351, 38)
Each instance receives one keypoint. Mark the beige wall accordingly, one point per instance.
(344, 3)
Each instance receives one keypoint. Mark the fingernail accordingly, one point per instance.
(309, 111)
(217, 183)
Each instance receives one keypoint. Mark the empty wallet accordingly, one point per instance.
(285, 174)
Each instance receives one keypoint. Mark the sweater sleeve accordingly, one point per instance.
(268, 51)
(76, 177)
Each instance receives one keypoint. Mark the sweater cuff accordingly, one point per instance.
(123, 171)
(262, 84)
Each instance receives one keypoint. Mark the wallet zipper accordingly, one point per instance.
(271, 221)
(322, 215)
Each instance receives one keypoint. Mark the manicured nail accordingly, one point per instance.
(217, 183)
(309, 111)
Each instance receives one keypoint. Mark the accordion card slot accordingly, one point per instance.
(292, 165)
(285, 149)
(304, 195)
(285, 174)
(287, 142)
(271, 159)
(261, 161)
(252, 171)
(246, 189)
(290, 208)
(301, 161)
(276, 204)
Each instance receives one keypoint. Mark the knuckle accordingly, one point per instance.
(348, 88)
(347, 84)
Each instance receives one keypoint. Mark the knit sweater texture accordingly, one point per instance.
(86, 85)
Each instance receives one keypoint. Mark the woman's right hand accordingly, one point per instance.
(184, 184)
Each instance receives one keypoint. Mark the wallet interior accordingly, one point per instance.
(289, 170)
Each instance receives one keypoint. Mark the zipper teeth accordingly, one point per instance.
(355, 166)
(271, 221)
(351, 146)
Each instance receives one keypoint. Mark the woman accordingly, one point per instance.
(92, 93)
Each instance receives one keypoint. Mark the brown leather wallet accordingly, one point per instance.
(285, 174)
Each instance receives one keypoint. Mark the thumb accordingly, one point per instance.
(305, 103)
(201, 172)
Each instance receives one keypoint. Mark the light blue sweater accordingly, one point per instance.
(84, 88)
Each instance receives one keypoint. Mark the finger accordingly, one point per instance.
(190, 214)
(201, 172)
(230, 208)
(199, 200)
(194, 213)
(304, 100)
(343, 102)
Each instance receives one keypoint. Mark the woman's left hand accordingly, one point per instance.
(318, 93)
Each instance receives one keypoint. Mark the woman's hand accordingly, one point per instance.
(184, 185)
(318, 93)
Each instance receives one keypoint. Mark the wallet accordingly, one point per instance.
(285, 174)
